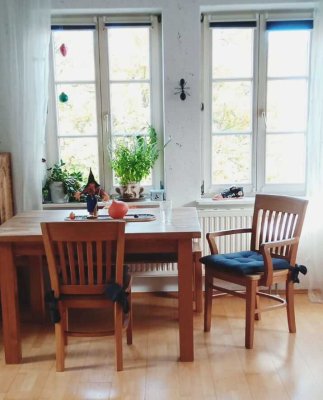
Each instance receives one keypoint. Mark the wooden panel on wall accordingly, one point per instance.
(6, 199)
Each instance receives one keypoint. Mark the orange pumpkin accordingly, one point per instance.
(118, 209)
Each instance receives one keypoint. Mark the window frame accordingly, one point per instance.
(103, 95)
(259, 91)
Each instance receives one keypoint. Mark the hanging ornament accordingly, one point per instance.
(63, 98)
(63, 50)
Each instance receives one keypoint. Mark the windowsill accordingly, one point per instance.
(147, 203)
(238, 203)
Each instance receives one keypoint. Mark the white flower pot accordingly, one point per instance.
(130, 192)
(57, 193)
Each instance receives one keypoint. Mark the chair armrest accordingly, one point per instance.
(212, 235)
(267, 255)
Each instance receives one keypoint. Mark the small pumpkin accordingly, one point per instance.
(118, 209)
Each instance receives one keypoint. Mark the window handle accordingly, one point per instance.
(105, 122)
(264, 116)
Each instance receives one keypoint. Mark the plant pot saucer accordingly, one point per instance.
(129, 200)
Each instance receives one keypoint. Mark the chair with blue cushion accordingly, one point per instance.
(274, 237)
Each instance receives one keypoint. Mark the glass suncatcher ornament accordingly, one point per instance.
(63, 49)
(63, 98)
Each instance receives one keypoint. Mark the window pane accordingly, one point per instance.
(231, 158)
(285, 158)
(288, 53)
(78, 63)
(130, 107)
(81, 154)
(287, 105)
(232, 53)
(232, 107)
(128, 53)
(77, 116)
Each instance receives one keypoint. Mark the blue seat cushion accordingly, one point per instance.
(242, 262)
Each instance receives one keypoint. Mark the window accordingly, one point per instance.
(106, 87)
(256, 101)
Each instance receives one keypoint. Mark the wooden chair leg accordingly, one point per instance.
(290, 306)
(208, 301)
(37, 289)
(118, 336)
(60, 348)
(129, 327)
(257, 315)
(64, 321)
(198, 292)
(251, 290)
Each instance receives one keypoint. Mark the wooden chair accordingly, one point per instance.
(33, 265)
(275, 233)
(164, 258)
(83, 258)
(170, 258)
(197, 277)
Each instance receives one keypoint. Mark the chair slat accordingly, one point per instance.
(90, 264)
(80, 262)
(99, 262)
(62, 262)
(268, 229)
(262, 227)
(108, 268)
(71, 262)
(281, 225)
(276, 219)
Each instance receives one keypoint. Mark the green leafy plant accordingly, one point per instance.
(72, 180)
(132, 160)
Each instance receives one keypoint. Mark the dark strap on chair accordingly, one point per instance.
(52, 302)
(116, 293)
(296, 270)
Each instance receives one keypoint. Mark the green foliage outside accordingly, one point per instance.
(72, 180)
(132, 161)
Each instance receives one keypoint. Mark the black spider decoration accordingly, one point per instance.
(182, 90)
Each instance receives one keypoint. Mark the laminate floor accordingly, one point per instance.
(281, 366)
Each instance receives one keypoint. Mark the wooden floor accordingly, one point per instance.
(281, 366)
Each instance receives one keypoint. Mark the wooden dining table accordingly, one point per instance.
(21, 236)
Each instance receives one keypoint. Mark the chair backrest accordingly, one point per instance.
(278, 218)
(6, 197)
(84, 256)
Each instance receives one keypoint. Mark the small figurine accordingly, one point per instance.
(93, 192)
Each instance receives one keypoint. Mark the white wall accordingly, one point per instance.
(181, 59)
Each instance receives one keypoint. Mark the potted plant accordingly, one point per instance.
(132, 161)
(61, 184)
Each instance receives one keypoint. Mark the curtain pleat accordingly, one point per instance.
(311, 245)
(24, 46)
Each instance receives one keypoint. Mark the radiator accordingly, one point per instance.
(210, 220)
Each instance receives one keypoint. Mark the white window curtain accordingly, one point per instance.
(311, 245)
(24, 44)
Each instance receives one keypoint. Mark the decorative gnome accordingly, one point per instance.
(93, 192)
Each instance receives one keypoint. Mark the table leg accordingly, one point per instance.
(9, 304)
(37, 289)
(185, 300)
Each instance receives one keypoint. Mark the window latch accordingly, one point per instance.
(264, 116)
